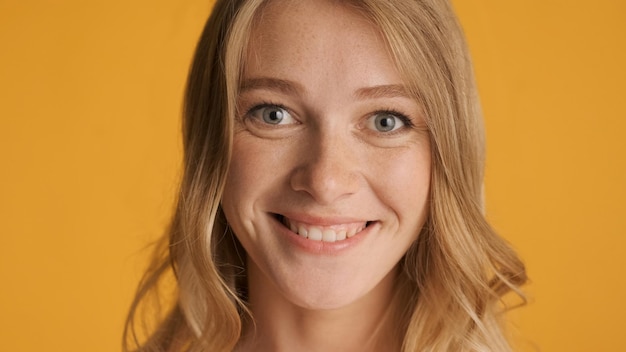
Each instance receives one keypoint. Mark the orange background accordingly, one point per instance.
(90, 97)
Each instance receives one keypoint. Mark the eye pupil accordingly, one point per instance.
(385, 123)
(273, 116)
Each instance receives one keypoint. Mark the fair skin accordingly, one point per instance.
(329, 180)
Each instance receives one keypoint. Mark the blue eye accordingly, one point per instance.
(385, 122)
(272, 114)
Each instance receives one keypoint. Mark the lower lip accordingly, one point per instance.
(321, 247)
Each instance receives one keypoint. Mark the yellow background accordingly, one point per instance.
(90, 96)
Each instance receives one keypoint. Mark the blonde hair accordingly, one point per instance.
(453, 277)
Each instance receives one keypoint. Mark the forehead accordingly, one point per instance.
(328, 36)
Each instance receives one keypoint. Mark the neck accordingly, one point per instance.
(368, 324)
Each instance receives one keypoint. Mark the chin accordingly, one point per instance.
(339, 291)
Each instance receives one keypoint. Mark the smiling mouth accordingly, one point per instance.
(334, 233)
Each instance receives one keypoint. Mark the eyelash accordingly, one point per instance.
(265, 104)
(403, 117)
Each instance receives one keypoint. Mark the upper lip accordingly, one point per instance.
(317, 220)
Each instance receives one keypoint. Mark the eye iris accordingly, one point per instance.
(273, 116)
(385, 123)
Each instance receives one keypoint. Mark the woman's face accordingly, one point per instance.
(329, 179)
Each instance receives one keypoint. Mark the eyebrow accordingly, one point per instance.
(276, 84)
(383, 91)
(293, 88)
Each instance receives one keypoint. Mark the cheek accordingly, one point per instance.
(238, 180)
(241, 179)
(238, 199)
(403, 182)
(254, 170)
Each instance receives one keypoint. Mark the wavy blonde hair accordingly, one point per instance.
(454, 276)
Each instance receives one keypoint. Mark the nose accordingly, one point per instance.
(328, 168)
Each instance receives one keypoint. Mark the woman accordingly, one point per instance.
(332, 192)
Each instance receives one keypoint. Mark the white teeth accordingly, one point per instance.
(302, 231)
(315, 234)
(329, 236)
(326, 234)
(353, 232)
